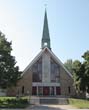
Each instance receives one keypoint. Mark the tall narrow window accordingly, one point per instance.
(22, 89)
(69, 90)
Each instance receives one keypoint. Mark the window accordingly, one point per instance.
(55, 71)
(22, 89)
(69, 90)
(37, 71)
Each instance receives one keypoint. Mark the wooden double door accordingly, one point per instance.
(46, 91)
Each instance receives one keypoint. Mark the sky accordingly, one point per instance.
(22, 23)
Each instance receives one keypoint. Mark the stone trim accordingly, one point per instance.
(45, 84)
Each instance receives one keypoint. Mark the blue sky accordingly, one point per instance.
(22, 23)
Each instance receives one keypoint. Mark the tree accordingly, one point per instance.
(69, 65)
(81, 73)
(86, 72)
(9, 73)
(76, 74)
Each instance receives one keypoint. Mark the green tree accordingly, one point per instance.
(86, 72)
(76, 74)
(81, 73)
(9, 73)
(69, 65)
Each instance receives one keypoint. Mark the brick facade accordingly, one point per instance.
(66, 83)
(24, 85)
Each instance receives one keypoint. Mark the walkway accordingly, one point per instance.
(51, 107)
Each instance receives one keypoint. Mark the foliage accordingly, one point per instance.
(12, 102)
(86, 70)
(69, 65)
(77, 74)
(81, 73)
(9, 73)
(79, 103)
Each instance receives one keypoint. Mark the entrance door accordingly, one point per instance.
(46, 91)
(34, 90)
(58, 91)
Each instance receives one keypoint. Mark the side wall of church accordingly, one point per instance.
(66, 83)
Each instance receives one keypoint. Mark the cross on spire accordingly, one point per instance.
(45, 6)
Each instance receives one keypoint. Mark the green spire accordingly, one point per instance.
(45, 37)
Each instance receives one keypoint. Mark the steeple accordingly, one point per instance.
(45, 42)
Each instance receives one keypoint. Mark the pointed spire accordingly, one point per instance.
(45, 28)
(45, 36)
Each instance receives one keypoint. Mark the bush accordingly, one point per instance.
(13, 103)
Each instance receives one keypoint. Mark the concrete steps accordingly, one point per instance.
(49, 100)
(61, 101)
(34, 100)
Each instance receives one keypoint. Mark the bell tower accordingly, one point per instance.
(45, 42)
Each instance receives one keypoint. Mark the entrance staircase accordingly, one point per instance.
(49, 100)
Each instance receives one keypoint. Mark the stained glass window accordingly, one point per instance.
(37, 71)
(55, 71)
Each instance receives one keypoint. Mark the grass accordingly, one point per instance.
(79, 103)
(13, 102)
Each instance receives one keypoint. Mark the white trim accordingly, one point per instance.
(45, 84)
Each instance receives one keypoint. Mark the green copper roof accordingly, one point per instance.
(45, 35)
(45, 28)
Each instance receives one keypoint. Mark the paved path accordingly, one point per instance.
(51, 107)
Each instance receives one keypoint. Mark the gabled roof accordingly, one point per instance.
(52, 55)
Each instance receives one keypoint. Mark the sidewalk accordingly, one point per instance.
(53, 107)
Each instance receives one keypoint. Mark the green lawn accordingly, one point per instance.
(13, 102)
(79, 103)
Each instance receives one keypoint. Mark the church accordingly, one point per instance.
(46, 74)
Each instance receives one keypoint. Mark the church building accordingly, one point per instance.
(46, 74)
